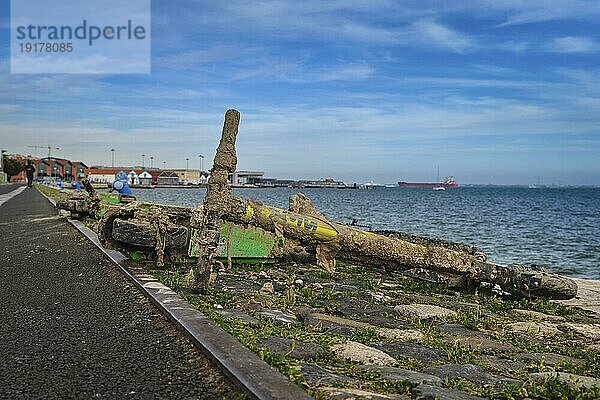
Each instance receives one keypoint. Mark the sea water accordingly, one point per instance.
(555, 227)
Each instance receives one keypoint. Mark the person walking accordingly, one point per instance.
(29, 171)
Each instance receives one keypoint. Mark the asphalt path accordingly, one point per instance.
(9, 187)
(71, 326)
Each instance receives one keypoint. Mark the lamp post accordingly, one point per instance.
(151, 162)
(200, 175)
(143, 155)
(164, 165)
(1, 165)
(112, 152)
(187, 166)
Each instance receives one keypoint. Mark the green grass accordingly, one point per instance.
(491, 315)
(51, 192)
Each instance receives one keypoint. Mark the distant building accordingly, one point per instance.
(132, 178)
(135, 176)
(204, 177)
(155, 173)
(62, 168)
(103, 174)
(264, 182)
(52, 167)
(78, 170)
(272, 182)
(321, 183)
(244, 178)
(188, 176)
(168, 178)
(145, 178)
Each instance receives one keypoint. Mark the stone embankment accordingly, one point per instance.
(362, 334)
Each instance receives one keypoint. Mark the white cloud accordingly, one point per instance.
(583, 81)
(299, 71)
(181, 93)
(328, 137)
(380, 23)
(191, 59)
(347, 73)
(531, 11)
(91, 64)
(363, 33)
(514, 46)
(438, 35)
(572, 44)
(9, 108)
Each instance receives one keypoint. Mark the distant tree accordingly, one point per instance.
(12, 167)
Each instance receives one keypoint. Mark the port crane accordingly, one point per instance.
(49, 148)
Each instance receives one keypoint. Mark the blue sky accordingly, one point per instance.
(491, 91)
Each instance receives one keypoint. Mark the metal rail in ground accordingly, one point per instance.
(250, 373)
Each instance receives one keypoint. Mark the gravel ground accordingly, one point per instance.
(72, 325)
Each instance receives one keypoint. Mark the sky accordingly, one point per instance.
(491, 91)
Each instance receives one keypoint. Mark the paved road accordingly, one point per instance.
(5, 188)
(71, 326)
